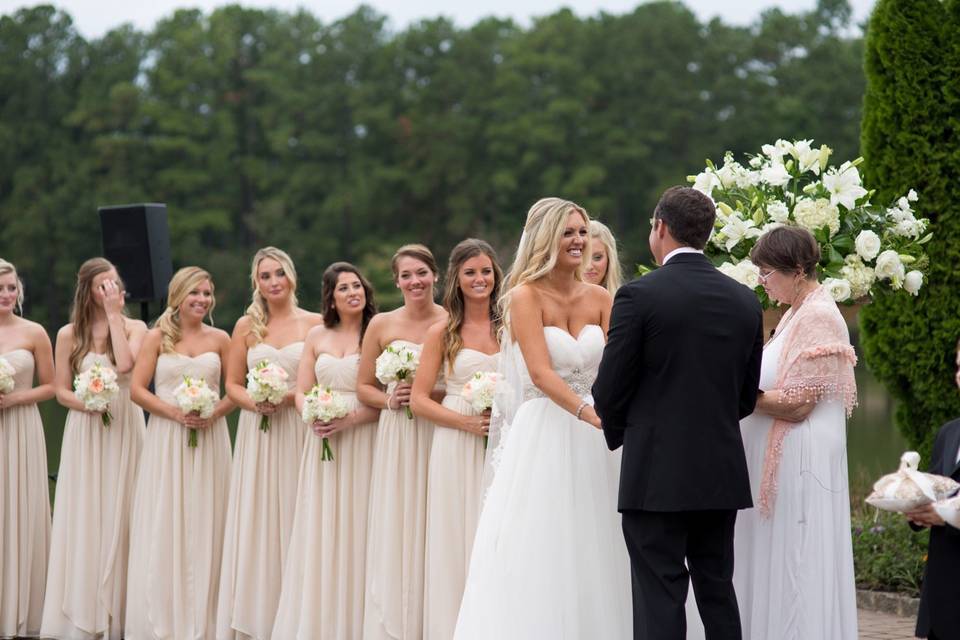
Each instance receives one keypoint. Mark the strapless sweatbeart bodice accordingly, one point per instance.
(467, 363)
(23, 364)
(340, 374)
(575, 359)
(172, 367)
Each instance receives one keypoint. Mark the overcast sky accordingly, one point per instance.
(93, 18)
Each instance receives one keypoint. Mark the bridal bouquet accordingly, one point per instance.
(96, 388)
(864, 247)
(479, 390)
(7, 372)
(908, 488)
(324, 405)
(267, 382)
(194, 396)
(398, 364)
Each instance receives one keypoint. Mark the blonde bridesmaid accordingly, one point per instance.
(393, 596)
(176, 530)
(263, 486)
(24, 495)
(87, 576)
(458, 348)
(322, 596)
(604, 266)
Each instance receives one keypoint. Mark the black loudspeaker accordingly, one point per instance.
(136, 240)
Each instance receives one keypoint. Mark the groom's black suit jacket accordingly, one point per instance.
(680, 369)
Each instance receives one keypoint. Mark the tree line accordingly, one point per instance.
(343, 140)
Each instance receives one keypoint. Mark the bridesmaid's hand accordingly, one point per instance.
(478, 425)
(266, 408)
(111, 297)
(589, 415)
(193, 420)
(8, 400)
(925, 516)
(401, 395)
(327, 429)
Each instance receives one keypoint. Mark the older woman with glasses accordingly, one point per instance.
(794, 555)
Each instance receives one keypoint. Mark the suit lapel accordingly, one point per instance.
(950, 452)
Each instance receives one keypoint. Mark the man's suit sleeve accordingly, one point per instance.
(751, 379)
(619, 369)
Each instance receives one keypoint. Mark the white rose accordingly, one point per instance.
(868, 245)
(912, 282)
(889, 267)
(776, 175)
(778, 211)
(745, 272)
(816, 214)
(839, 288)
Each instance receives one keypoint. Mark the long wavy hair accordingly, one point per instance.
(453, 300)
(6, 268)
(613, 278)
(328, 307)
(258, 311)
(540, 245)
(84, 308)
(181, 284)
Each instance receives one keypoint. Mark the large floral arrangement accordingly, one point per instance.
(865, 248)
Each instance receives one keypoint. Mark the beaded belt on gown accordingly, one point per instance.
(579, 381)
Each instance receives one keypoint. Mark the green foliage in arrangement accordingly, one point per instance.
(344, 140)
(887, 554)
(911, 128)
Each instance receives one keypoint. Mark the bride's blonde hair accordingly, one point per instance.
(258, 311)
(181, 284)
(540, 245)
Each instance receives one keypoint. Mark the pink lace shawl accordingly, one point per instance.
(816, 363)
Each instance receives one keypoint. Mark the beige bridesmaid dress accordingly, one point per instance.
(179, 510)
(24, 509)
(263, 497)
(454, 497)
(322, 597)
(87, 575)
(393, 596)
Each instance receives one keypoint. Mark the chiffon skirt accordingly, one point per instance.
(87, 576)
(25, 524)
(322, 596)
(176, 533)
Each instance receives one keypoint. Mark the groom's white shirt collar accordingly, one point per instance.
(678, 251)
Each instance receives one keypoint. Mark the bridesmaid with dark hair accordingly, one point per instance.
(87, 575)
(467, 343)
(322, 595)
(24, 495)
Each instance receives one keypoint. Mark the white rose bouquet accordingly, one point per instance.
(267, 382)
(193, 395)
(865, 249)
(325, 405)
(7, 372)
(479, 390)
(398, 364)
(96, 388)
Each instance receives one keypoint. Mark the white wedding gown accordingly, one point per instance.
(549, 560)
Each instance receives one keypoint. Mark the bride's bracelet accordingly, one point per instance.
(580, 409)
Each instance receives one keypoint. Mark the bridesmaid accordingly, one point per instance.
(263, 486)
(322, 595)
(393, 596)
(604, 266)
(87, 577)
(179, 508)
(24, 494)
(463, 345)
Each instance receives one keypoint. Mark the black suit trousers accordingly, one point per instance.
(662, 545)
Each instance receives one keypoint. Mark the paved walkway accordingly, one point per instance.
(883, 626)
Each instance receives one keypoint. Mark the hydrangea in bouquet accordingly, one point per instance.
(864, 248)
(267, 382)
(96, 388)
(398, 364)
(7, 372)
(193, 395)
(324, 405)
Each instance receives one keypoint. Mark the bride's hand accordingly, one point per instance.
(589, 415)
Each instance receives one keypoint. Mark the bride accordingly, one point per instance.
(549, 560)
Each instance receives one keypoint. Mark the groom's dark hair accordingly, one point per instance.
(688, 214)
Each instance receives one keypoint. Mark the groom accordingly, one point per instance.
(679, 371)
